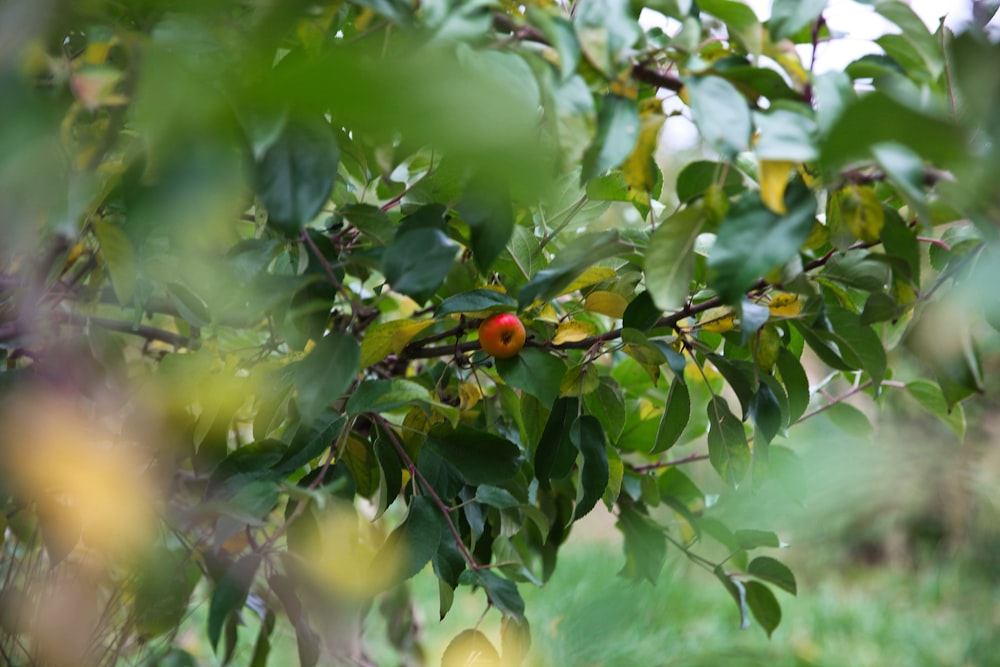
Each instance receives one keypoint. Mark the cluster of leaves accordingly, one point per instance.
(270, 229)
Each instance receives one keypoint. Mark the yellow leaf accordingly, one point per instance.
(863, 214)
(548, 314)
(818, 236)
(718, 320)
(606, 303)
(389, 337)
(469, 395)
(785, 305)
(773, 180)
(640, 176)
(572, 331)
(766, 346)
(592, 276)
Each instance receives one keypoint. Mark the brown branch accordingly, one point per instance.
(668, 464)
(15, 329)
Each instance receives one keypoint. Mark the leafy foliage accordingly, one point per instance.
(246, 247)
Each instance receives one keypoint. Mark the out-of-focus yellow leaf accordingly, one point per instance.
(572, 331)
(785, 305)
(637, 169)
(592, 276)
(389, 337)
(862, 213)
(773, 180)
(606, 303)
(718, 320)
(96, 53)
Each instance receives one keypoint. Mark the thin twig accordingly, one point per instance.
(429, 490)
(691, 458)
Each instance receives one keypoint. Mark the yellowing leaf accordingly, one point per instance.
(785, 305)
(469, 394)
(389, 337)
(638, 166)
(863, 214)
(718, 320)
(773, 180)
(818, 236)
(606, 303)
(766, 347)
(592, 276)
(572, 331)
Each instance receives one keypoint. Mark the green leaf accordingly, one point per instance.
(605, 28)
(698, 176)
(644, 543)
(410, 546)
(262, 647)
(641, 313)
(859, 345)
(673, 483)
(119, 256)
(560, 34)
(325, 373)
(388, 395)
(931, 399)
(754, 539)
(607, 404)
(790, 16)
(670, 258)
(588, 436)
(764, 606)
(901, 241)
(476, 300)
(417, 262)
(675, 417)
(190, 306)
(479, 457)
(904, 169)
(915, 33)
(766, 414)
(877, 118)
(617, 133)
(534, 371)
(295, 175)
(486, 209)
(850, 419)
(728, 450)
(752, 240)
(796, 384)
(739, 376)
(391, 477)
(163, 590)
(734, 14)
(230, 594)
(496, 497)
(501, 592)
(720, 112)
(774, 572)
(556, 452)
(785, 135)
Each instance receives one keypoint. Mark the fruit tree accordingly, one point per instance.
(300, 300)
